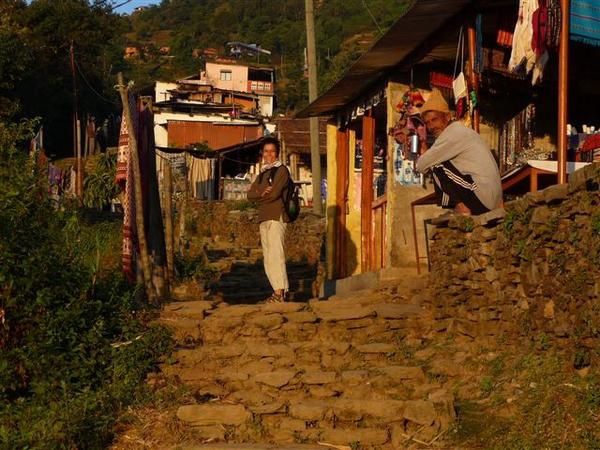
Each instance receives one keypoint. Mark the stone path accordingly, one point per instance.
(242, 278)
(336, 372)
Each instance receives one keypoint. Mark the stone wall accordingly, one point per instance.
(236, 223)
(535, 270)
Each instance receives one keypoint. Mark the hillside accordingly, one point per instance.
(345, 28)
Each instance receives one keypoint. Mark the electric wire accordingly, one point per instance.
(89, 85)
(372, 17)
(120, 4)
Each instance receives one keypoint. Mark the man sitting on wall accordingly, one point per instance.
(465, 173)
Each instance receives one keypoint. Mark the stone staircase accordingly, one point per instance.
(343, 372)
(242, 278)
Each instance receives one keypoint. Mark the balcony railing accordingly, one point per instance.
(260, 86)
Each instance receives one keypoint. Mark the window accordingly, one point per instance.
(225, 75)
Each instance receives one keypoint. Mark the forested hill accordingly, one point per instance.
(344, 28)
(56, 55)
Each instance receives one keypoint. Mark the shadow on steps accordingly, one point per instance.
(246, 283)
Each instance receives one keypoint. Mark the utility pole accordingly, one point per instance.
(313, 91)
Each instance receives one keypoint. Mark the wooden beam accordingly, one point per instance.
(563, 91)
(341, 199)
(473, 76)
(368, 135)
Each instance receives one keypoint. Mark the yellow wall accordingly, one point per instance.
(353, 218)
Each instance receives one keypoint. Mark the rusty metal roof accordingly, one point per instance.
(426, 32)
(295, 135)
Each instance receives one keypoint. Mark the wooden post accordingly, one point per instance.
(219, 178)
(366, 203)
(341, 199)
(563, 92)
(79, 160)
(76, 130)
(168, 205)
(313, 92)
(474, 78)
(137, 182)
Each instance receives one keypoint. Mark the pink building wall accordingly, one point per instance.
(239, 76)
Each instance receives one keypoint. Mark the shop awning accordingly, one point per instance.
(427, 31)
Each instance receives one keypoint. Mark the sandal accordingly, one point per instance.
(274, 298)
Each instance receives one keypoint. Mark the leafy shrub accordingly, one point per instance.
(62, 381)
(99, 186)
(194, 267)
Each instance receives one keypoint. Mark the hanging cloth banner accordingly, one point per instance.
(585, 21)
(124, 179)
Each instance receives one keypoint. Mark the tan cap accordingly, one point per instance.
(435, 102)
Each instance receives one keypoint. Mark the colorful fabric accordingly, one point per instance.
(592, 142)
(540, 29)
(525, 54)
(554, 24)
(585, 21)
(411, 101)
(124, 179)
(479, 44)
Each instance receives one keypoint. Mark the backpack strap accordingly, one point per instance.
(272, 173)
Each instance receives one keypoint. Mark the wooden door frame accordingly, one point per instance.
(341, 202)
(366, 209)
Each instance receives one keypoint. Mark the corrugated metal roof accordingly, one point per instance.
(427, 31)
(295, 134)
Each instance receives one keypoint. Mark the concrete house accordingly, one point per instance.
(238, 77)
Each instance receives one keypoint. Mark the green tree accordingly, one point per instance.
(51, 26)
(277, 26)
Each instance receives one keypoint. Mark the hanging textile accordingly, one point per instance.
(523, 53)
(143, 127)
(590, 149)
(201, 177)
(504, 38)
(585, 21)
(479, 44)
(515, 138)
(554, 24)
(124, 179)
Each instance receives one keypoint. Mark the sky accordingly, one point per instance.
(134, 4)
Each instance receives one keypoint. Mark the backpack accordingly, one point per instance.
(289, 195)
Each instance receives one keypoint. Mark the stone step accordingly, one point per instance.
(332, 372)
(261, 285)
(232, 446)
(257, 270)
(333, 420)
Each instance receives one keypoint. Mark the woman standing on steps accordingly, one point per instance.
(267, 189)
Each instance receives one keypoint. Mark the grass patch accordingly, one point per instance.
(556, 409)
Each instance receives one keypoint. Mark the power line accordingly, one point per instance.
(372, 17)
(90, 86)
(120, 4)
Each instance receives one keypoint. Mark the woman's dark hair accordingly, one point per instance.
(275, 142)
